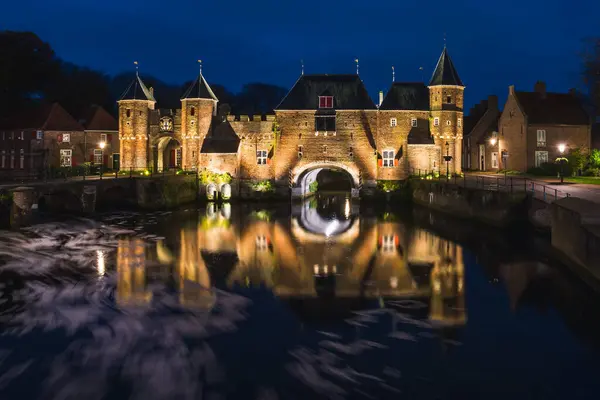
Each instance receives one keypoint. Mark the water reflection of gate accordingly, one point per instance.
(370, 259)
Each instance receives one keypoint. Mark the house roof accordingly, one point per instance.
(348, 91)
(552, 108)
(222, 140)
(406, 96)
(98, 119)
(199, 89)
(46, 117)
(137, 91)
(445, 72)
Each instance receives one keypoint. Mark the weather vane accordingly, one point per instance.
(137, 67)
(200, 63)
(302, 63)
(393, 74)
(356, 61)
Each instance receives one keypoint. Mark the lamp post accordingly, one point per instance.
(447, 158)
(102, 145)
(561, 149)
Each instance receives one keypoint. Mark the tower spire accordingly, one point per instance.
(356, 61)
(393, 74)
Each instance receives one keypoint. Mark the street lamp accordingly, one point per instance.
(447, 158)
(561, 148)
(102, 146)
(493, 141)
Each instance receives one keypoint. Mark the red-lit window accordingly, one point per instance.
(325, 101)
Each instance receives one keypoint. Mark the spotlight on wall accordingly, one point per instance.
(493, 141)
(562, 147)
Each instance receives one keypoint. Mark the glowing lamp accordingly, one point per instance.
(493, 141)
(561, 148)
(102, 145)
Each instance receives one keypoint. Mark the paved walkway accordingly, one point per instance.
(581, 190)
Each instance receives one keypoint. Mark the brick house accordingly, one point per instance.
(101, 127)
(481, 130)
(324, 122)
(534, 124)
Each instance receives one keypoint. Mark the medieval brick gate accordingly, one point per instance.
(303, 176)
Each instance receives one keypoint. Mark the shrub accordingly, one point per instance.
(313, 187)
(263, 186)
(591, 172)
(547, 169)
(576, 160)
(207, 177)
(388, 186)
(594, 159)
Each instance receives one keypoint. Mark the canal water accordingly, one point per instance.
(324, 299)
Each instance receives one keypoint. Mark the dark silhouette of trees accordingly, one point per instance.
(591, 71)
(31, 73)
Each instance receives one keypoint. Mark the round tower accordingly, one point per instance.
(446, 99)
(198, 106)
(134, 125)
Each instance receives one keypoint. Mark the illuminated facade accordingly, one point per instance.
(324, 122)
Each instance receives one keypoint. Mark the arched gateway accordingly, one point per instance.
(303, 176)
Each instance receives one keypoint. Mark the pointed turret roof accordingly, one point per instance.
(445, 73)
(137, 91)
(199, 89)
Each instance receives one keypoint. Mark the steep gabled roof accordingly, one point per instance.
(137, 91)
(348, 91)
(552, 108)
(445, 72)
(199, 89)
(406, 96)
(98, 119)
(223, 139)
(48, 117)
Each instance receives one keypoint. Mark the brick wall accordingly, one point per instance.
(423, 158)
(218, 162)
(512, 135)
(571, 136)
(196, 121)
(134, 122)
(450, 128)
(254, 136)
(53, 146)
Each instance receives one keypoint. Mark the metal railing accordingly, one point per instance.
(505, 183)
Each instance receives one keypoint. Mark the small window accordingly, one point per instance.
(388, 158)
(12, 159)
(22, 135)
(261, 157)
(351, 152)
(128, 112)
(413, 122)
(325, 123)
(541, 157)
(393, 122)
(448, 122)
(97, 156)
(436, 122)
(193, 111)
(300, 151)
(388, 244)
(541, 138)
(459, 122)
(324, 149)
(325, 101)
(494, 160)
(140, 114)
(261, 243)
(103, 138)
(22, 158)
(39, 135)
(66, 137)
(66, 158)
(449, 99)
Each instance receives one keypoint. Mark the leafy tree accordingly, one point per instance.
(594, 160)
(591, 71)
(577, 158)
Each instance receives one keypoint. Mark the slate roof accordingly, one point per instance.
(552, 108)
(348, 91)
(199, 90)
(137, 91)
(445, 72)
(46, 117)
(222, 140)
(406, 96)
(98, 119)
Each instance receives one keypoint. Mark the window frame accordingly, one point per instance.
(388, 244)
(3, 159)
(326, 102)
(495, 163)
(414, 122)
(98, 153)
(12, 159)
(393, 122)
(66, 138)
(64, 155)
(459, 122)
(448, 123)
(261, 157)
(388, 158)
(541, 142)
(536, 155)
(436, 121)
(325, 121)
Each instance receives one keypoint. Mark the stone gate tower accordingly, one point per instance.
(134, 120)
(446, 97)
(198, 106)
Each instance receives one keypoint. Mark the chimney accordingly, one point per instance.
(380, 97)
(540, 87)
(492, 102)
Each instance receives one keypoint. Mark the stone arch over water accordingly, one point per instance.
(305, 175)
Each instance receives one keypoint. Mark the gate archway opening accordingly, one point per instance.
(169, 153)
(326, 177)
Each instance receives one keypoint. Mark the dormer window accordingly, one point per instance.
(325, 101)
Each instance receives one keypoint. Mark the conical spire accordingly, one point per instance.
(445, 73)
(199, 89)
(136, 89)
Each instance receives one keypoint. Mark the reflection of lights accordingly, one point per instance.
(316, 268)
(100, 256)
(393, 282)
(437, 286)
(331, 227)
(325, 268)
(347, 209)
(226, 210)
(334, 269)
(460, 285)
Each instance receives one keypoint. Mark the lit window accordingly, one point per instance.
(66, 158)
(541, 157)
(448, 122)
(393, 122)
(300, 151)
(261, 243)
(325, 101)
(459, 122)
(261, 157)
(436, 122)
(97, 156)
(39, 135)
(103, 138)
(66, 137)
(413, 122)
(178, 157)
(22, 157)
(541, 138)
(388, 158)
(388, 244)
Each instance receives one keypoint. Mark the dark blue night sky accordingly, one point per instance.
(493, 44)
